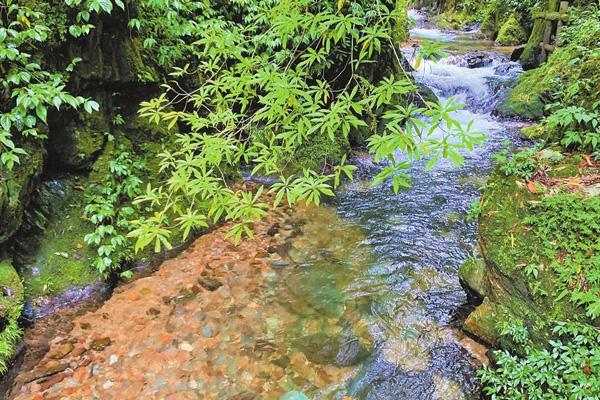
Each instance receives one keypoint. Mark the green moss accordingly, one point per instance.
(511, 33)
(11, 304)
(133, 65)
(61, 260)
(16, 187)
(140, 130)
(79, 142)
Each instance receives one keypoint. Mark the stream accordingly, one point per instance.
(360, 300)
(382, 278)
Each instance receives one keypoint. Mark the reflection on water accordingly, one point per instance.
(375, 286)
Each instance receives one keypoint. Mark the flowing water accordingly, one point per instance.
(377, 288)
(362, 298)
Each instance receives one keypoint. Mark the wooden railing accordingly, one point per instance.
(555, 20)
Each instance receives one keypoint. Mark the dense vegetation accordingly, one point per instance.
(550, 335)
(251, 85)
(199, 91)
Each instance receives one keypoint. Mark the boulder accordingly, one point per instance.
(507, 245)
(511, 33)
(478, 59)
(16, 188)
(74, 143)
(471, 275)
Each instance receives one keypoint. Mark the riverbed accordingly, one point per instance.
(358, 299)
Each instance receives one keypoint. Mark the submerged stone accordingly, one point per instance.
(60, 351)
(343, 351)
(294, 395)
(100, 344)
(209, 284)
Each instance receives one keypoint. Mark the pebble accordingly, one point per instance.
(100, 344)
(112, 360)
(107, 385)
(280, 264)
(160, 384)
(185, 346)
(207, 331)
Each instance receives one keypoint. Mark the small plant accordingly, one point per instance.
(568, 369)
(526, 163)
(109, 210)
(523, 164)
(474, 211)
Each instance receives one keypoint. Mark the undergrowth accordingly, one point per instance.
(568, 369)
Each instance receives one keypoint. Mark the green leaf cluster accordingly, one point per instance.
(567, 369)
(270, 77)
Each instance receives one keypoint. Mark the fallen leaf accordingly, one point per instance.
(532, 187)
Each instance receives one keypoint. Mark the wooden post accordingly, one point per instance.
(545, 46)
(546, 41)
(564, 6)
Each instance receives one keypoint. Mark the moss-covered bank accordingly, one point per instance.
(518, 278)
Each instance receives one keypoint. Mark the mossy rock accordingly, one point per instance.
(11, 305)
(535, 88)
(140, 130)
(471, 275)
(482, 323)
(508, 246)
(77, 143)
(511, 33)
(16, 187)
(524, 102)
(111, 55)
(57, 258)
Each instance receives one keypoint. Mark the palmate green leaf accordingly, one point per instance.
(271, 80)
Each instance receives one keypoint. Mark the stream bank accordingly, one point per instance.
(360, 300)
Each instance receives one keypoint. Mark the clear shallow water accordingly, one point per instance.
(376, 290)
(362, 300)
(423, 29)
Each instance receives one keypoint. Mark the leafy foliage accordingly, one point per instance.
(30, 90)
(567, 369)
(109, 209)
(569, 227)
(574, 116)
(279, 75)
